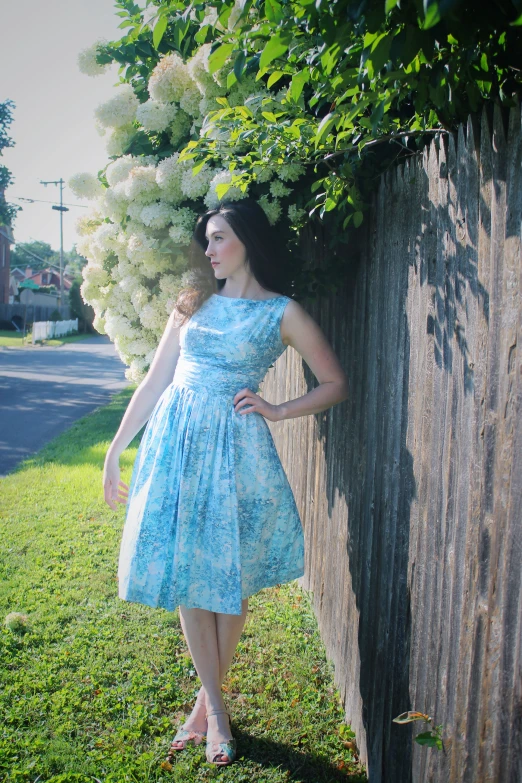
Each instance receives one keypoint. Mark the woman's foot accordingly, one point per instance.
(195, 724)
(220, 743)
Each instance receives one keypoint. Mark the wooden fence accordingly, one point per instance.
(411, 490)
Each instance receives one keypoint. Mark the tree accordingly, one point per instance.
(8, 211)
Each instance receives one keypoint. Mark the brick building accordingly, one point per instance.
(6, 240)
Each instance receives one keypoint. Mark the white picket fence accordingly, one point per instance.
(42, 330)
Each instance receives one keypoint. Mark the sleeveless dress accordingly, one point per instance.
(210, 516)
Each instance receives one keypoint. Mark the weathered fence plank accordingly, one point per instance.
(411, 490)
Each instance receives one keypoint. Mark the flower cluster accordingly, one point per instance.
(136, 235)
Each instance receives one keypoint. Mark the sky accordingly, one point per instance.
(53, 127)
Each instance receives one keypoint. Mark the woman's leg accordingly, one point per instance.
(212, 638)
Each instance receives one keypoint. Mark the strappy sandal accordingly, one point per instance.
(215, 749)
(185, 736)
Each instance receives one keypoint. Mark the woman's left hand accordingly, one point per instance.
(247, 401)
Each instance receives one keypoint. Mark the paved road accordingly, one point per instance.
(43, 390)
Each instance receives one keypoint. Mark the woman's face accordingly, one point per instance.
(226, 252)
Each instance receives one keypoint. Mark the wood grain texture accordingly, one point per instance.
(411, 490)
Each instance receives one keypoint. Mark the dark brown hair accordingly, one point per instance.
(265, 253)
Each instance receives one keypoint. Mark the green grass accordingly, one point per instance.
(95, 687)
(16, 340)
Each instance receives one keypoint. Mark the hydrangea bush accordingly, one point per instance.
(137, 233)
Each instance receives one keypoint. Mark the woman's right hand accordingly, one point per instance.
(114, 490)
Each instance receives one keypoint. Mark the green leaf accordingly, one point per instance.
(389, 5)
(484, 61)
(275, 47)
(273, 11)
(274, 77)
(429, 739)
(298, 82)
(222, 189)
(325, 126)
(517, 22)
(357, 219)
(270, 116)
(159, 30)
(231, 80)
(239, 64)
(219, 57)
(376, 116)
(409, 717)
(431, 14)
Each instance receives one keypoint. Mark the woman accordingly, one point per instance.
(211, 518)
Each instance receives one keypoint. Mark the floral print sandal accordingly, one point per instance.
(215, 749)
(182, 739)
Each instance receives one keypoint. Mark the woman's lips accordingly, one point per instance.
(215, 263)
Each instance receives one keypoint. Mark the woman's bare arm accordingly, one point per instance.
(144, 399)
(299, 330)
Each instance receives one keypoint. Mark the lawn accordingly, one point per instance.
(16, 340)
(93, 687)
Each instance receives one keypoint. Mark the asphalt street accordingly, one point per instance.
(43, 390)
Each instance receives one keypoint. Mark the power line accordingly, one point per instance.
(44, 201)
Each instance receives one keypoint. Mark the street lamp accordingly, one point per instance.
(61, 209)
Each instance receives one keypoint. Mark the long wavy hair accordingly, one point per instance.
(266, 255)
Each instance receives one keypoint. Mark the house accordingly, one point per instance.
(49, 276)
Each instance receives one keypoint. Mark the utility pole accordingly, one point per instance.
(61, 209)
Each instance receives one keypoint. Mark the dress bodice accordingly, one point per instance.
(229, 344)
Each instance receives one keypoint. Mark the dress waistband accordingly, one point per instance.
(212, 379)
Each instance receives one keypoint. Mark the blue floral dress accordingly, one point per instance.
(210, 516)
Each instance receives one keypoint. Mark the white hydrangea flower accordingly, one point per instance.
(120, 169)
(120, 301)
(106, 238)
(86, 224)
(198, 69)
(136, 372)
(99, 323)
(154, 115)
(157, 215)
(264, 172)
(180, 127)
(272, 209)
(141, 184)
(233, 193)
(114, 202)
(295, 214)
(169, 174)
(183, 223)
(119, 139)
(277, 189)
(153, 317)
(120, 110)
(95, 275)
(190, 100)
(170, 79)
(208, 104)
(290, 171)
(130, 281)
(170, 285)
(140, 297)
(141, 248)
(85, 185)
(116, 324)
(196, 186)
(87, 59)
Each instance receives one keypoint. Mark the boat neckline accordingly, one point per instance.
(242, 299)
